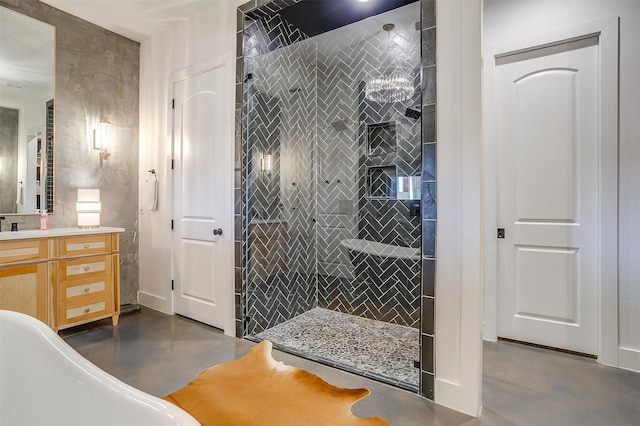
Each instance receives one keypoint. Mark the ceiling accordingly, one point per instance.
(134, 19)
(31, 75)
(138, 19)
(331, 14)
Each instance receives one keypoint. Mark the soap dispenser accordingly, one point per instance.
(44, 219)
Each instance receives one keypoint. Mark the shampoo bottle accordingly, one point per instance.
(44, 220)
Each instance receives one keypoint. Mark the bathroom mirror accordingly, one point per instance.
(27, 60)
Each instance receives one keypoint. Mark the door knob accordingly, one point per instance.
(217, 231)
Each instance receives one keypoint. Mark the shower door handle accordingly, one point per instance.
(217, 231)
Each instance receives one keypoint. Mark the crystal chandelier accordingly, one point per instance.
(390, 84)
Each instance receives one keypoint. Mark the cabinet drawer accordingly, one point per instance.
(23, 251)
(73, 314)
(89, 287)
(81, 300)
(85, 245)
(85, 267)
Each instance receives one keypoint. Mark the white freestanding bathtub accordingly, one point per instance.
(43, 381)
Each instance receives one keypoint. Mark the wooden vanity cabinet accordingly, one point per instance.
(89, 279)
(62, 280)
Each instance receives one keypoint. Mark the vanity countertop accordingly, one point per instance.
(55, 232)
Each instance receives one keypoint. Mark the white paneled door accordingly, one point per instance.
(203, 199)
(548, 195)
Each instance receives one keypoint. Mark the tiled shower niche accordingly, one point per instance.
(301, 103)
(381, 182)
(381, 138)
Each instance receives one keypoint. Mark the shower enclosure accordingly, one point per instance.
(331, 194)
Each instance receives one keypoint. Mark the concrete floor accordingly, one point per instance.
(160, 353)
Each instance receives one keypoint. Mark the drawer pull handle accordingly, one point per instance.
(86, 290)
(87, 246)
(86, 268)
(87, 310)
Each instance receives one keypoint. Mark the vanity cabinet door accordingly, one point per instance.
(23, 288)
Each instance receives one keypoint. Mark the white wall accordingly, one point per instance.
(458, 346)
(209, 32)
(504, 20)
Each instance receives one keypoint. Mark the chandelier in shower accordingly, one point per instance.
(392, 84)
(389, 84)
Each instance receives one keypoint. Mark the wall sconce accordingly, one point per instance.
(266, 163)
(88, 208)
(102, 138)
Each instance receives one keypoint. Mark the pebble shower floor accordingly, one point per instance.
(374, 349)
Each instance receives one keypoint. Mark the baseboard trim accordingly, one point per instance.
(155, 302)
(129, 309)
(629, 359)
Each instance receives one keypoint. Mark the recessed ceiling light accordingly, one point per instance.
(363, 1)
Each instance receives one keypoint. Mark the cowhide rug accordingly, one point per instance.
(257, 390)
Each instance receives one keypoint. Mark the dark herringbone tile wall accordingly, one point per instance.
(347, 207)
(305, 107)
(281, 110)
(299, 100)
